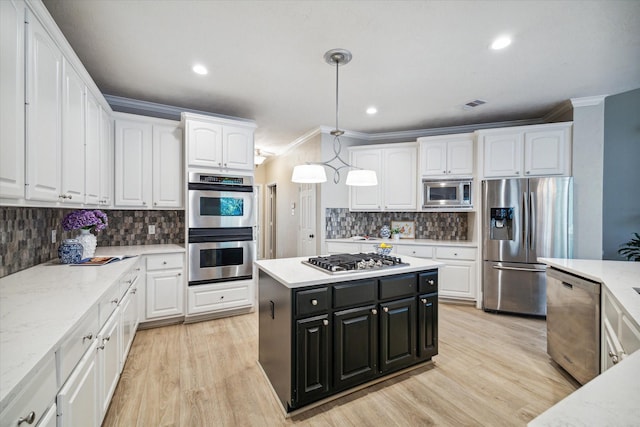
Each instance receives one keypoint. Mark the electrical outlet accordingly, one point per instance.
(53, 236)
(152, 229)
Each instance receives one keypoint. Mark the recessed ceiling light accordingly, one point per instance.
(372, 110)
(501, 43)
(200, 69)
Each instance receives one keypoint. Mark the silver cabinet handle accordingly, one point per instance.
(444, 171)
(89, 336)
(374, 311)
(164, 262)
(424, 300)
(325, 322)
(431, 282)
(314, 302)
(29, 419)
(134, 290)
(385, 309)
(614, 357)
(114, 301)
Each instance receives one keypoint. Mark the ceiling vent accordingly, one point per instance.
(473, 104)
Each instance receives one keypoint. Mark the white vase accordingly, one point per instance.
(396, 236)
(88, 242)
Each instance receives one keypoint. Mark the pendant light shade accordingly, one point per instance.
(308, 174)
(314, 172)
(362, 178)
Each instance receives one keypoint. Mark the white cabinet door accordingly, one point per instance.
(399, 178)
(204, 141)
(460, 157)
(73, 155)
(133, 163)
(12, 141)
(237, 148)
(43, 115)
(92, 150)
(222, 296)
(108, 361)
(106, 159)
(129, 322)
(457, 279)
(164, 292)
(50, 418)
(367, 198)
(77, 400)
(433, 158)
(503, 154)
(546, 152)
(167, 166)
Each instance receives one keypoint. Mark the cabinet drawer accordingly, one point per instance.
(164, 261)
(312, 301)
(354, 293)
(398, 286)
(108, 303)
(428, 282)
(456, 253)
(416, 251)
(207, 298)
(75, 345)
(35, 396)
(343, 248)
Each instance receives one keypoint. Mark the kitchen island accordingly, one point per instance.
(323, 335)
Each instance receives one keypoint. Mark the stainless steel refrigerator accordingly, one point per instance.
(523, 219)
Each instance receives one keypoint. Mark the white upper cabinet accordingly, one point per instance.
(537, 150)
(93, 150)
(73, 125)
(167, 166)
(218, 143)
(132, 163)
(148, 162)
(12, 143)
(446, 156)
(43, 115)
(396, 167)
(106, 159)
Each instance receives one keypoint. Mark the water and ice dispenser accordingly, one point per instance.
(501, 226)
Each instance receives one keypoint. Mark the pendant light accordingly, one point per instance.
(311, 173)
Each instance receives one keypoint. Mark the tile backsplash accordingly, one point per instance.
(341, 223)
(25, 233)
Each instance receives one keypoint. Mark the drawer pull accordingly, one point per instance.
(431, 282)
(89, 336)
(134, 290)
(314, 302)
(325, 322)
(374, 311)
(385, 309)
(164, 262)
(424, 300)
(29, 419)
(115, 301)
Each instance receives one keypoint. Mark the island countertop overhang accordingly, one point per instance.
(292, 273)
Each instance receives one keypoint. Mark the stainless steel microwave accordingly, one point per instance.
(448, 193)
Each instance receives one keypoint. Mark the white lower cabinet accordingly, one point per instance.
(130, 317)
(165, 286)
(343, 248)
(457, 279)
(78, 399)
(620, 334)
(203, 299)
(108, 355)
(50, 418)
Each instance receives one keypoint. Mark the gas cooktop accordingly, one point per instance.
(346, 263)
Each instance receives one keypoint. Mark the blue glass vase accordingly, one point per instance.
(70, 252)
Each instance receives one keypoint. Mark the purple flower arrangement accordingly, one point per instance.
(89, 219)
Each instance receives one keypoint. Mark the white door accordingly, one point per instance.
(78, 399)
(73, 155)
(133, 164)
(108, 360)
(106, 158)
(43, 114)
(204, 144)
(433, 157)
(399, 178)
(366, 198)
(237, 148)
(460, 157)
(271, 211)
(12, 141)
(164, 294)
(307, 230)
(503, 154)
(545, 152)
(92, 151)
(167, 167)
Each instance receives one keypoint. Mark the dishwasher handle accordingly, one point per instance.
(570, 281)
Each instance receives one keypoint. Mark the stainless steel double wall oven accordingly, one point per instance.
(221, 221)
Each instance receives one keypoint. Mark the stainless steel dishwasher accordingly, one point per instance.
(573, 323)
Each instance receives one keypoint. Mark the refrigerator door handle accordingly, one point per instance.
(525, 221)
(533, 270)
(532, 220)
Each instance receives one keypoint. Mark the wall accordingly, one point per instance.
(25, 233)
(587, 160)
(621, 196)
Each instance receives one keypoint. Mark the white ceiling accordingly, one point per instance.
(417, 61)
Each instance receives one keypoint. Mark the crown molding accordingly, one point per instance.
(562, 109)
(588, 101)
(163, 111)
(300, 140)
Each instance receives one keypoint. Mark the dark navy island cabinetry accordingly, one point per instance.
(320, 340)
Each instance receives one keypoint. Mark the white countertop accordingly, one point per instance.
(425, 242)
(611, 398)
(40, 305)
(293, 274)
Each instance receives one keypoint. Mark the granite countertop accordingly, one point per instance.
(426, 242)
(293, 274)
(611, 398)
(40, 305)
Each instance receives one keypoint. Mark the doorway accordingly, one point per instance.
(271, 221)
(307, 226)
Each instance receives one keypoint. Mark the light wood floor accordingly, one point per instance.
(492, 370)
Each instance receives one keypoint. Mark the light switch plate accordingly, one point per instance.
(53, 236)
(152, 229)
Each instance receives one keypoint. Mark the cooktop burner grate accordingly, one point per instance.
(345, 263)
